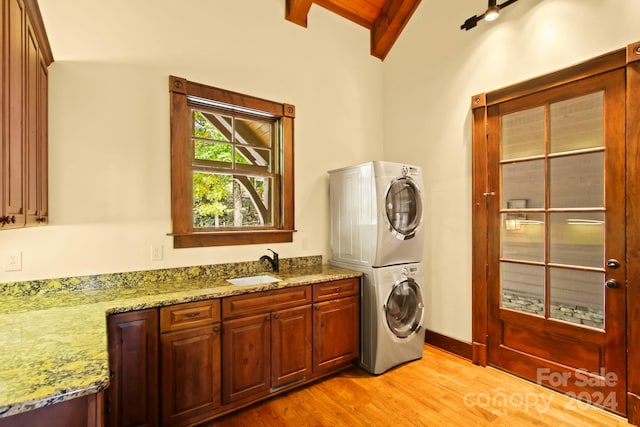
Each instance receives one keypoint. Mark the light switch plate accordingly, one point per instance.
(13, 261)
(157, 252)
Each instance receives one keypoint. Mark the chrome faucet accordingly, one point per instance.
(275, 261)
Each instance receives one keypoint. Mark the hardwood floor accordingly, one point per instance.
(440, 390)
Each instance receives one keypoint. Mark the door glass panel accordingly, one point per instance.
(522, 287)
(577, 239)
(523, 134)
(523, 236)
(404, 308)
(577, 123)
(577, 296)
(404, 207)
(577, 181)
(523, 181)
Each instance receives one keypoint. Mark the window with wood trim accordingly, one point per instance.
(231, 167)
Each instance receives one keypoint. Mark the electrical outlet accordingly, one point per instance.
(13, 261)
(156, 252)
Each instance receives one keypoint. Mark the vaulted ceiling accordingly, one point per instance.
(385, 19)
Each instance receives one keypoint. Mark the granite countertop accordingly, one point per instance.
(53, 338)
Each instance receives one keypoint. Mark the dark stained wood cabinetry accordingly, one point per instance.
(23, 111)
(246, 358)
(336, 324)
(268, 350)
(132, 397)
(190, 361)
(84, 411)
(290, 346)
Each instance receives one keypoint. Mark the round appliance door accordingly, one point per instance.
(404, 308)
(404, 208)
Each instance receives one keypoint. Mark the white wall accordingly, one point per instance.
(109, 122)
(429, 78)
(109, 130)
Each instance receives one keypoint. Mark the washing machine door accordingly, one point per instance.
(404, 308)
(404, 207)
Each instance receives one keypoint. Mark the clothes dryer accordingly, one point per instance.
(392, 315)
(377, 214)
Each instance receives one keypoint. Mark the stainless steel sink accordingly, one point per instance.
(253, 280)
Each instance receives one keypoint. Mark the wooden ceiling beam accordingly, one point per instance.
(297, 11)
(360, 12)
(393, 17)
(385, 26)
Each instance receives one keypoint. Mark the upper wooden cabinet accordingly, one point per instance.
(23, 89)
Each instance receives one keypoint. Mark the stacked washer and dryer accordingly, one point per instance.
(376, 228)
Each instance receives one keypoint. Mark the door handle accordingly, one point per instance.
(613, 263)
(612, 284)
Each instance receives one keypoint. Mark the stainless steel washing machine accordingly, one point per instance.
(392, 315)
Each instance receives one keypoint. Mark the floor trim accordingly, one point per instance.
(452, 345)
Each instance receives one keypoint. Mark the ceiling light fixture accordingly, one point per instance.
(491, 14)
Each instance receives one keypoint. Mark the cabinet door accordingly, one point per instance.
(336, 333)
(190, 375)
(13, 100)
(32, 67)
(132, 397)
(246, 357)
(290, 346)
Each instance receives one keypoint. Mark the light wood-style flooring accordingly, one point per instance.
(440, 390)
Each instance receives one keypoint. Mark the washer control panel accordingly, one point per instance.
(409, 271)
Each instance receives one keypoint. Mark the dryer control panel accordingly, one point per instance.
(410, 171)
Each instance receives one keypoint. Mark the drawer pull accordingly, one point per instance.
(192, 315)
(336, 290)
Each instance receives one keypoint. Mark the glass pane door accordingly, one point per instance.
(552, 211)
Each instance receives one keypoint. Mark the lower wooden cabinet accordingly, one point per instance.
(132, 397)
(336, 333)
(246, 357)
(188, 363)
(264, 353)
(190, 375)
(84, 411)
(291, 346)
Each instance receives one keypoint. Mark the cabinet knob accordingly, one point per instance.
(216, 329)
(275, 316)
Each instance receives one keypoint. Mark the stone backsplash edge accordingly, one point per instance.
(133, 278)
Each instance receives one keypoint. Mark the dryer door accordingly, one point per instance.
(404, 207)
(404, 308)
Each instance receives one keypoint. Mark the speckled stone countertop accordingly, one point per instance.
(53, 335)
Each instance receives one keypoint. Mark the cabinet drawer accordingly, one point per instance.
(336, 289)
(261, 302)
(189, 315)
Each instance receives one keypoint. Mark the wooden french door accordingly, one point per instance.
(556, 238)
